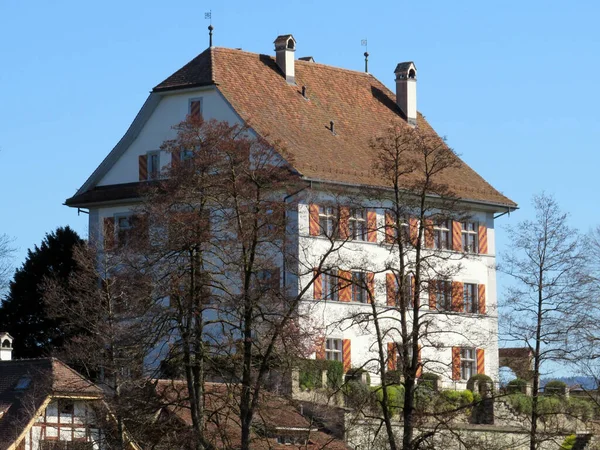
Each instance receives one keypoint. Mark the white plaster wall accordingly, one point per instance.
(172, 109)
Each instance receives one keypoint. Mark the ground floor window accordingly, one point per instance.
(333, 349)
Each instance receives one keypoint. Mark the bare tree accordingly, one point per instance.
(548, 303)
(6, 253)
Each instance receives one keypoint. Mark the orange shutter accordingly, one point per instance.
(413, 291)
(314, 227)
(143, 167)
(457, 236)
(175, 158)
(346, 355)
(480, 360)
(371, 225)
(457, 296)
(320, 348)
(389, 227)
(390, 289)
(195, 108)
(345, 286)
(413, 226)
(428, 233)
(456, 363)
(344, 230)
(370, 287)
(392, 362)
(483, 245)
(317, 285)
(481, 298)
(109, 233)
(432, 294)
(419, 363)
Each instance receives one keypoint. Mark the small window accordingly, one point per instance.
(359, 287)
(333, 349)
(66, 407)
(467, 363)
(442, 235)
(124, 229)
(327, 220)
(443, 295)
(357, 225)
(153, 165)
(469, 237)
(330, 285)
(186, 155)
(470, 300)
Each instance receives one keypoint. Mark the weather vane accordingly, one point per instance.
(363, 42)
(208, 15)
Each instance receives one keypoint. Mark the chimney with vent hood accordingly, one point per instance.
(6, 341)
(285, 47)
(406, 90)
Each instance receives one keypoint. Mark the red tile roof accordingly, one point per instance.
(359, 104)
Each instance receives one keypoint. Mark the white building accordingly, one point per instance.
(324, 117)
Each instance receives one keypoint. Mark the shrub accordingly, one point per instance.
(516, 385)
(555, 387)
(520, 402)
(466, 397)
(393, 377)
(356, 394)
(447, 401)
(424, 395)
(335, 374)
(550, 405)
(581, 408)
(395, 395)
(569, 442)
(430, 380)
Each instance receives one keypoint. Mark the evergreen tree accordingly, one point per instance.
(23, 313)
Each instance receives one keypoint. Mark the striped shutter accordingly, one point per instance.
(392, 362)
(432, 294)
(344, 229)
(320, 348)
(481, 298)
(413, 230)
(456, 363)
(370, 287)
(195, 108)
(456, 236)
(483, 244)
(413, 291)
(317, 285)
(143, 167)
(371, 225)
(390, 289)
(457, 296)
(346, 355)
(313, 226)
(428, 233)
(175, 158)
(389, 228)
(419, 363)
(109, 233)
(480, 360)
(345, 286)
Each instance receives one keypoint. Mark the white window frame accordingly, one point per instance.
(469, 232)
(468, 363)
(153, 173)
(330, 286)
(471, 298)
(442, 234)
(357, 224)
(333, 349)
(119, 228)
(328, 219)
(443, 295)
(358, 288)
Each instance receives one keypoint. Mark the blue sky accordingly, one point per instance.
(514, 87)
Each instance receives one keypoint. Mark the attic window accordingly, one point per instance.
(290, 44)
(411, 73)
(23, 383)
(6, 343)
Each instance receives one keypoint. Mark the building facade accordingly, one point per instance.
(324, 120)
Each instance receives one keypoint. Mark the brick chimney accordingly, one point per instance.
(6, 347)
(406, 90)
(285, 47)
